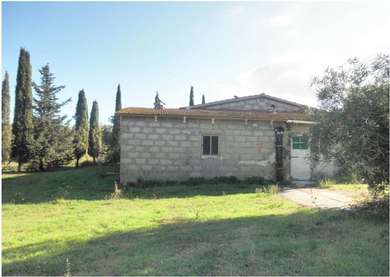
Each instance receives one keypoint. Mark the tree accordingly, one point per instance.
(353, 120)
(115, 147)
(52, 146)
(95, 135)
(192, 96)
(5, 122)
(22, 127)
(203, 99)
(106, 135)
(80, 140)
(106, 141)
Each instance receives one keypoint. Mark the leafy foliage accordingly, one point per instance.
(115, 147)
(5, 121)
(353, 121)
(52, 144)
(80, 140)
(22, 127)
(106, 134)
(192, 96)
(95, 135)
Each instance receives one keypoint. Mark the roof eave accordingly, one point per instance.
(209, 117)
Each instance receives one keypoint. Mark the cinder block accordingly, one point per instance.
(153, 136)
(147, 142)
(140, 161)
(140, 136)
(180, 137)
(185, 143)
(160, 130)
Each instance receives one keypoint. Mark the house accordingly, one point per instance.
(258, 135)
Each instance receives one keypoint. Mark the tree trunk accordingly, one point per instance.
(77, 162)
(94, 160)
(40, 165)
(19, 165)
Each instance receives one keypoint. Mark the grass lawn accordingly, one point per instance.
(332, 185)
(66, 221)
(357, 191)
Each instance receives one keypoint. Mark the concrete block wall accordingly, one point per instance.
(170, 149)
(259, 104)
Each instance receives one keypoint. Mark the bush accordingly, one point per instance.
(326, 183)
(224, 180)
(270, 188)
(258, 181)
(196, 181)
(353, 120)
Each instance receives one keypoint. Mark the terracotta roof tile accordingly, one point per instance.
(217, 114)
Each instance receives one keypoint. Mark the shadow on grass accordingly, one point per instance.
(97, 183)
(304, 243)
(89, 183)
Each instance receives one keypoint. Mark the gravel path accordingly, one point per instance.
(319, 198)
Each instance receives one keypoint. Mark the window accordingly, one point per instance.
(300, 142)
(210, 145)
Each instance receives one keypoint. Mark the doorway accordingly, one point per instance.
(300, 163)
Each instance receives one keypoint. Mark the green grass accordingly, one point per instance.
(359, 192)
(49, 218)
(354, 187)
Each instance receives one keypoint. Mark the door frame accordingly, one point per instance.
(291, 156)
(279, 149)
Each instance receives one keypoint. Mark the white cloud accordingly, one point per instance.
(234, 11)
(282, 80)
(286, 18)
(307, 38)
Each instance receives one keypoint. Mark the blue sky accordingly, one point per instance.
(222, 49)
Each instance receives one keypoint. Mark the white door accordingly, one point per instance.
(300, 158)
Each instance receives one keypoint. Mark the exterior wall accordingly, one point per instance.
(258, 104)
(172, 150)
(320, 169)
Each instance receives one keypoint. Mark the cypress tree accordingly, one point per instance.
(81, 128)
(203, 99)
(192, 96)
(22, 127)
(95, 136)
(5, 123)
(52, 146)
(115, 147)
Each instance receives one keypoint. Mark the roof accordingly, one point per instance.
(216, 114)
(244, 98)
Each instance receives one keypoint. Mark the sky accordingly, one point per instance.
(221, 48)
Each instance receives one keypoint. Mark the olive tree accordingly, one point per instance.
(353, 120)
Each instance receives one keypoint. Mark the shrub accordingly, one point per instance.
(326, 183)
(270, 188)
(196, 181)
(257, 181)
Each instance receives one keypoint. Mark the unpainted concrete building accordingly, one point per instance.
(253, 136)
